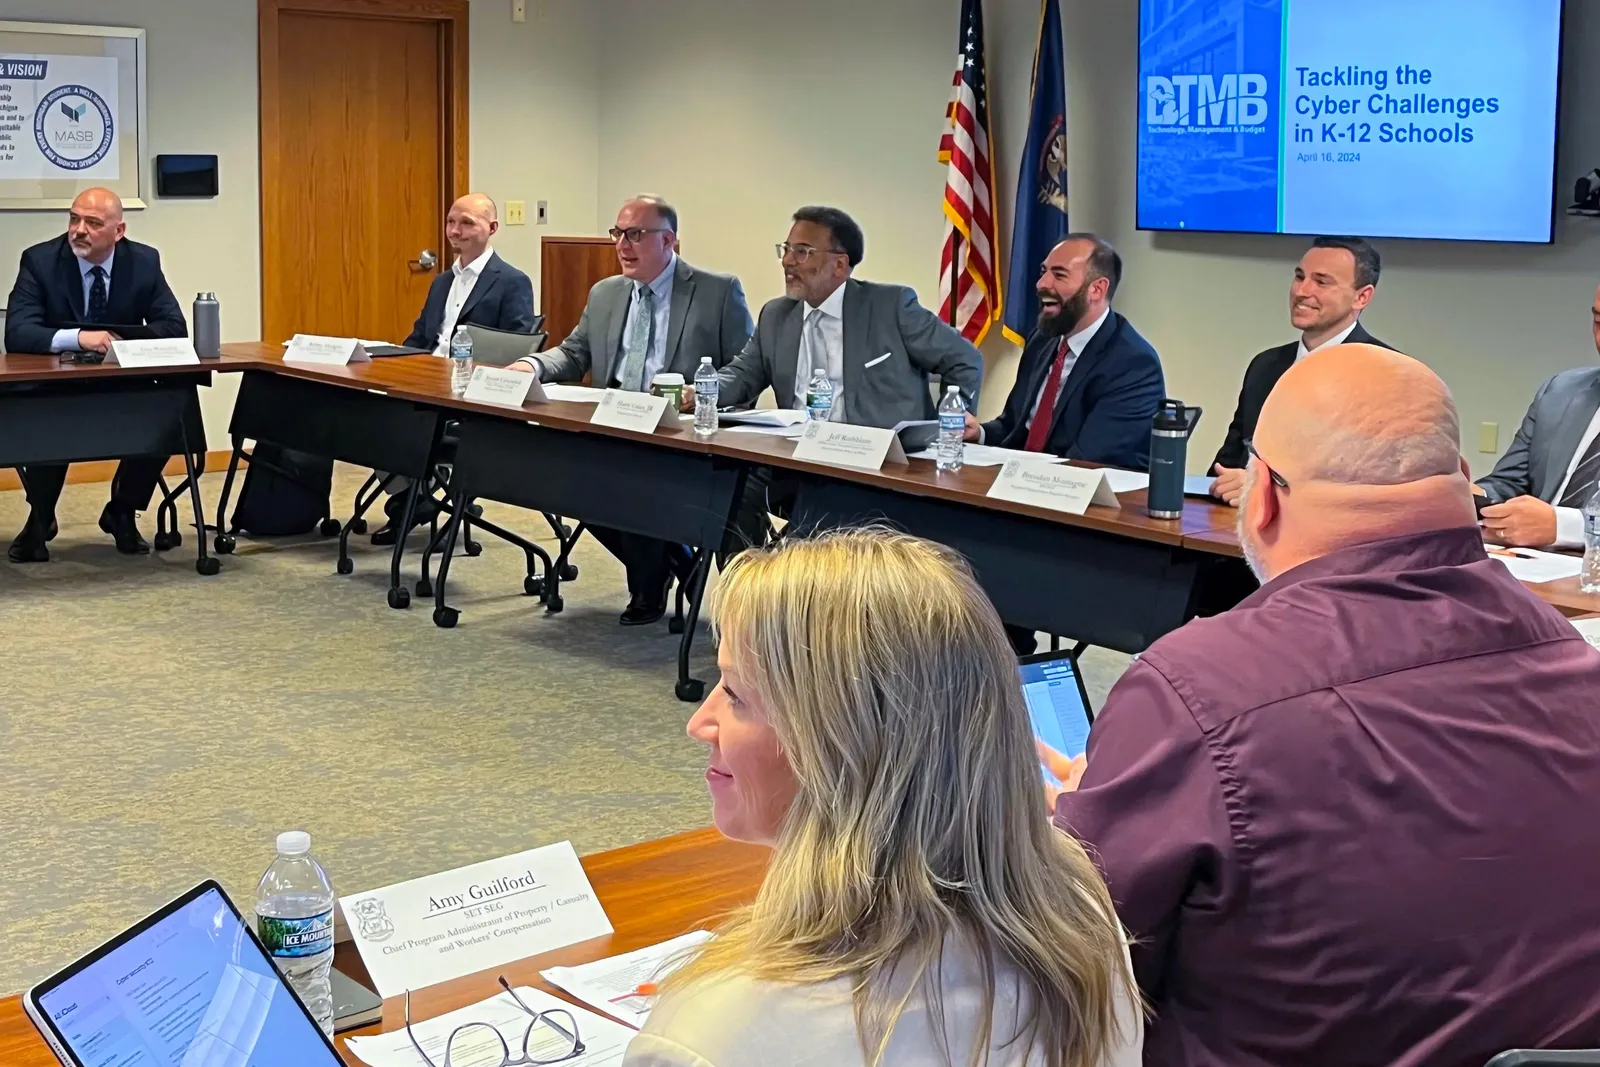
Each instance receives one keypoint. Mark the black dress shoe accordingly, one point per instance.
(389, 532)
(28, 547)
(642, 612)
(124, 529)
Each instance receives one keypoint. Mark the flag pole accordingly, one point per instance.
(955, 274)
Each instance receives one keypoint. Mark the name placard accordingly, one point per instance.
(839, 444)
(492, 385)
(328, 351)
(624, 410)
(1054, 486)
(430, 930)
(162, 352)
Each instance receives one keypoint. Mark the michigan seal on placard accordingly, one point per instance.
(375, 923)
(73, 127)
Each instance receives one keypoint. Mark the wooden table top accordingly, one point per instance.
(16, 367)
(652, 892)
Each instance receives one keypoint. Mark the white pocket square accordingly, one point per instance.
(874, 362)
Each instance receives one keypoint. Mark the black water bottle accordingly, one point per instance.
(1169, 458)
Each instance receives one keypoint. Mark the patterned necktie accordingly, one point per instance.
(641, 339)
(1045, 414)
(97, 296)
(1582, 483)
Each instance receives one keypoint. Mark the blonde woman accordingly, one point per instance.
(918, 909)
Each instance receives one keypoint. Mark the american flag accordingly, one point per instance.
(969, 271)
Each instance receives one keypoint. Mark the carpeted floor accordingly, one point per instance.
(159, 727)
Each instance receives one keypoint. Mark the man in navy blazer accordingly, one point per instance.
(1088, 385)
(479, 288)
(70, 294)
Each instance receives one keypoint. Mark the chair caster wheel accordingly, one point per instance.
(399, 599)
(345, 565)
(225, 544)
(161, 542)
(555, 605)
(357, 526)
(475, 510)
(566, 532)
(473, 548)
(208, 566)
(445, 618)
(424, 588)
(690, 690)
(569, 573)
(675, 625)
(329, 527)
(533, 586)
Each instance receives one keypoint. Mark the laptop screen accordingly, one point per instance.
(190, 988)
(1058, 706)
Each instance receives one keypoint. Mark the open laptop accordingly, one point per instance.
(1058, 703)
(187, 985)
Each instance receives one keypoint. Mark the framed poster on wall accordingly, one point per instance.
(72, 113)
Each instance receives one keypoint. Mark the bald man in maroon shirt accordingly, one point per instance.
(1356, 820)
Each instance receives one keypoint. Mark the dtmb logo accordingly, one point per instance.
(1206, 100)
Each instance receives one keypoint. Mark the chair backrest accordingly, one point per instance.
(1526, 1057)
(539, 339)
(538, 323)
(500, 348)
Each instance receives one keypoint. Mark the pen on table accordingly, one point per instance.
(1510, 553)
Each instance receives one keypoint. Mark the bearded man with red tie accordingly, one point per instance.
(1088, 385)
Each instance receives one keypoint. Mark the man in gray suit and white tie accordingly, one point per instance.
(1540, 485)
(660, 314)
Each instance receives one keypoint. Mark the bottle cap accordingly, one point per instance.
(667, 378)
(294, 843)
(206, 296)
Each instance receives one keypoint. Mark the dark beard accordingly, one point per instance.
(1072, 309)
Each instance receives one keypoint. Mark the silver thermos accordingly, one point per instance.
(207, 326)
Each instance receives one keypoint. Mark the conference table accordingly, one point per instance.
(651, 892)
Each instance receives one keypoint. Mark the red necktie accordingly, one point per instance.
(1045, 413)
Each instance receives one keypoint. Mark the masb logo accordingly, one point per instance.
(1205, 100)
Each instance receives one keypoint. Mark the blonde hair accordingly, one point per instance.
(919, 812)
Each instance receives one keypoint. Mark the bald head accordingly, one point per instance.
(1368, 443)
(94, 225)
(473, 220)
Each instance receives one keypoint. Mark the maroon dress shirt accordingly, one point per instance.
(1356, 820)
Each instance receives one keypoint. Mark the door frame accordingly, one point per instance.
(451, 16)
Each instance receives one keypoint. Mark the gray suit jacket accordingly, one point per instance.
(709, 318)
(1537, 461)
(879, 321)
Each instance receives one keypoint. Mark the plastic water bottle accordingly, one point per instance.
(1589, 579)
(952, 429)
(705, 397)
(819, 397)
(460, 361)
(294, 919)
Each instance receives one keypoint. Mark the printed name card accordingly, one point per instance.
(328, 351)
(491, 385)
(1054, 486)
(624, 410)
(839, 444)
(430, 930)
(164, 352)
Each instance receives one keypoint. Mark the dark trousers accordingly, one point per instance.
(766, 492)
(648, 560)
(132, 487)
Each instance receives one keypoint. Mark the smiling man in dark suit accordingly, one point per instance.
(1333, 284)
(480, 288)
(70, 293)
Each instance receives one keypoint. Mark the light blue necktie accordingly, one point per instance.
(641, 339)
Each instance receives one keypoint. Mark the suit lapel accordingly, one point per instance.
(682, 295)
(857, 316)
(1083, 364)
(606, 359)
(117, 286)
(71, 280)
(1574, 420)
(787, 361)
(491, 271)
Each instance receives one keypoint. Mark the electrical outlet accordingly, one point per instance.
(1489, 438)
(516, 212)
(519, 10)
(541, 213)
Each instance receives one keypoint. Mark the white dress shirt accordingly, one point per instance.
(1339, 338)
(67, 340)
(1076, 343)
(1569, 521)
(830, 323)
(656, 357)
(461, 286)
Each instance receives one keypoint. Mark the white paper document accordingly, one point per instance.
(1122, 481)
(791, 432)
(619, 986)
(1590, 629)
(576, 394)
(1531, 565)
(429, 930)
(766, 417)
(1198, 485)
(604, 1041)
(976, 455)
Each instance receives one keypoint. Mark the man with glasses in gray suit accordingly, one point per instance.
(659, 315)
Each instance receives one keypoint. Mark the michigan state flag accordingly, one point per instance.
(1041, 215)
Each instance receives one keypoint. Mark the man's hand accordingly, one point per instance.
(972, 431)
(1522, 522)
(1069, 772)
(688, 398)
(1228, 486)
(522, 366)
(96, 340)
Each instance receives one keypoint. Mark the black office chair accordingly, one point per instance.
(1522, 1057)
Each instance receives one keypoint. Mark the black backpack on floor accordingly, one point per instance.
(285, 492)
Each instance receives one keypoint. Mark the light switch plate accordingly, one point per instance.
(516, 212)
(542, 213)
(1489, 437)
(519, 10)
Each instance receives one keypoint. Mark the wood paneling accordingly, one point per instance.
(568, 269)
(103, 470)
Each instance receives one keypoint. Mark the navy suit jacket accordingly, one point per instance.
(501, 300)
(1106, 405)
(48, 295)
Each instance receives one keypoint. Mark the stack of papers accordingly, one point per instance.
(976, 455)
(1531, 565)
(581, 394)
(770, 417)
(1590, 629)
(623, 985)
(605, 1041)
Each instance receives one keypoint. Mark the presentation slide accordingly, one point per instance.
(1380, 118)
(192, 991)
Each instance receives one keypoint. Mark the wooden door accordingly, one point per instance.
(568, 268)
(363, 147)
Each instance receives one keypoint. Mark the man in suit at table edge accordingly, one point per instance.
(479, 289)
(1334, 282)
(659, 315)
(1541, 484)
(91, 276)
